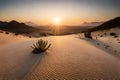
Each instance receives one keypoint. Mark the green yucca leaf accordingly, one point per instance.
(40, 46)
(47, 46)
(46, 43)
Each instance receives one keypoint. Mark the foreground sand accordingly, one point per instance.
(69, 58)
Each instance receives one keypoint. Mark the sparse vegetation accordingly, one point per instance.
(101, 35)
(112, 34)
(115, 36)
(16, 34)
(105, 33)
(28, 33)
(118, 39)
(98, 44)
(6, 32)
(88, 35)
(29, 36)
(106, 46)
(43, 34)
(40, 46)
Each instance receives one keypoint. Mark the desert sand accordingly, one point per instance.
(69, 58)
(11, 38)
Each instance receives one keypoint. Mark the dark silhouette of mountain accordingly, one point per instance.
(31, 24)
(108, 25)
(2, 23)
(92, 24)
(16, 27)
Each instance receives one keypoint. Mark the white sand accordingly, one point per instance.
(69, 58)
(11, 38)
(107, 42)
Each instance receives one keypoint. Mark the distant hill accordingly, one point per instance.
(92, 24)
(16, 27)
(108, 25)
(31, 24)
(3, 23)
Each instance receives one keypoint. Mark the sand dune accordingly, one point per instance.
(69, 58)
(11, 38)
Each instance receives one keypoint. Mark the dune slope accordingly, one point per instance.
(68, 58)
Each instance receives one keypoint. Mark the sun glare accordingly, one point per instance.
(57, 20)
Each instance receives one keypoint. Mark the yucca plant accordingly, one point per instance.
(40, 46)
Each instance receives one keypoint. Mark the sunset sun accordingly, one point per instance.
(57, 20)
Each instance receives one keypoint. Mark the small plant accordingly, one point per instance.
(40, 46)
(115, 36)
(98, 44)
(16, 34)
(88, 35)
(101, 35)
(105, 33)
(112, 34)
(29, 36)
(6, 32)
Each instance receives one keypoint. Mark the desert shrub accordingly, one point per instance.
(40, 46)
(6, 32)
(115, 36)
(101, 35)
(16, 34)
(118, 39)
(105, 33)
(98, 44)
(106, 46)
(29, 36)
(88, 35)
(96, 38)
(43, 34)
(112, 34)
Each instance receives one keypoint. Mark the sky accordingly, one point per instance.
(70, 12)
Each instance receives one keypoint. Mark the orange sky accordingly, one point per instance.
(72, 12)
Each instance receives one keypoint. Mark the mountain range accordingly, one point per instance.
(16, 27)
(3, 23)
(31, 24)
(108, 25)
(22, 28)
(92, 23)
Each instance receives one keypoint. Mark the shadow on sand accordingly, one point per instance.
(103, 46)
(30, 64)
